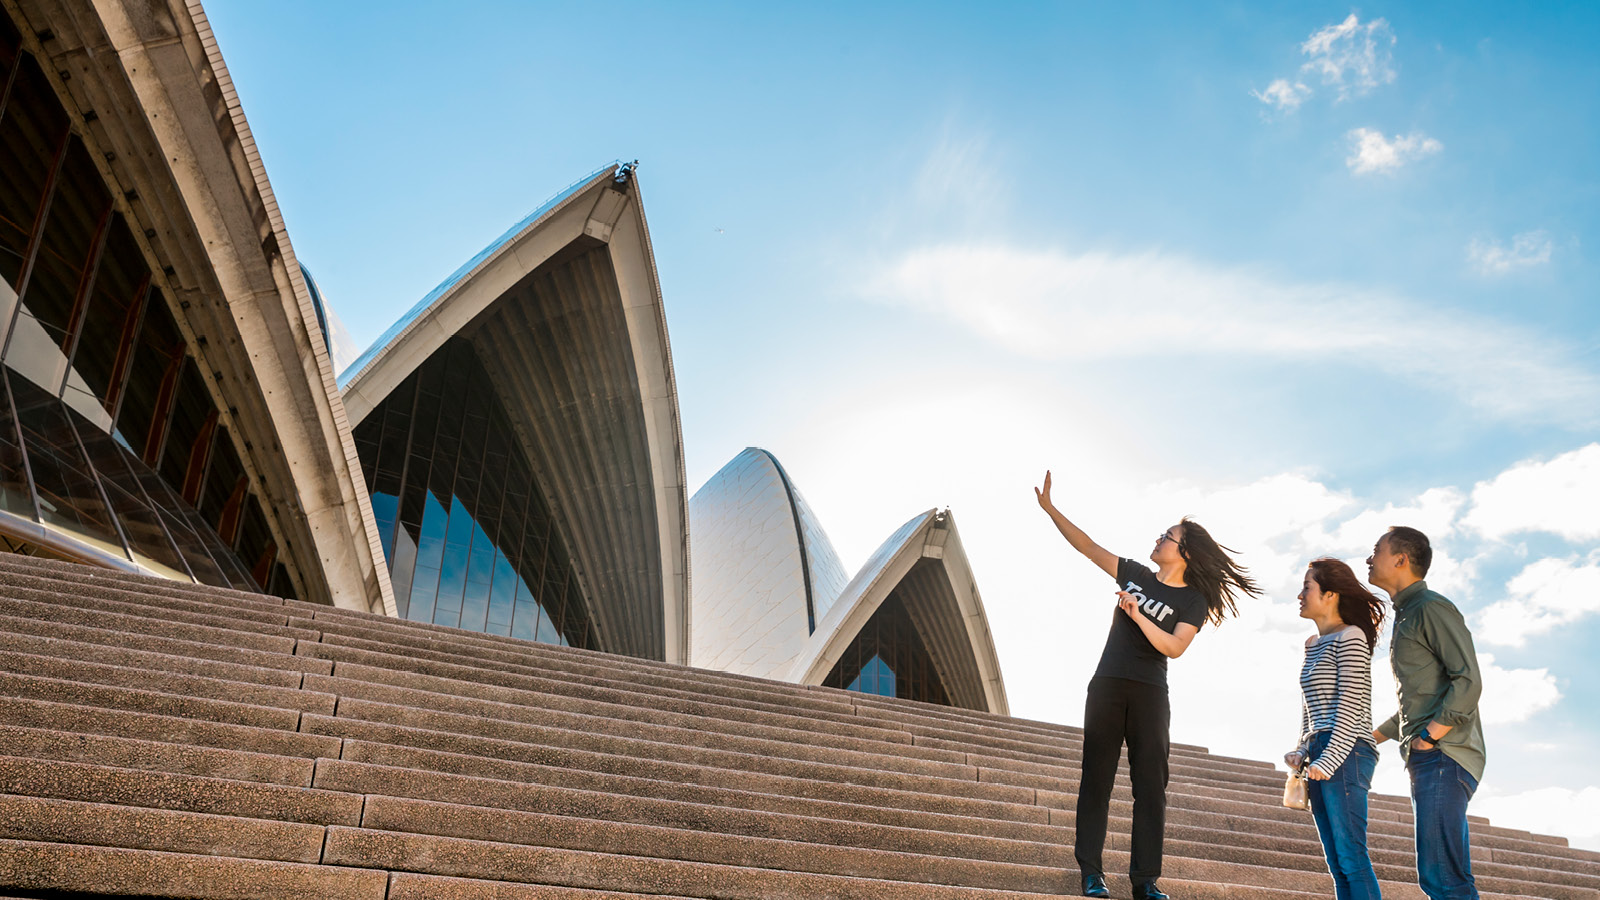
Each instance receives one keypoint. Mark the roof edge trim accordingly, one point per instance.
(800, 540)
(441, 293)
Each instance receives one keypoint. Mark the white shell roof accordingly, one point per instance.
(757, 550)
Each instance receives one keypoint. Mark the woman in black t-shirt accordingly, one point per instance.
(1159, 613)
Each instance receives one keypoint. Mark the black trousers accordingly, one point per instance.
(1120, 710)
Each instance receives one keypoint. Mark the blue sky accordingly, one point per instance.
(1302, 271)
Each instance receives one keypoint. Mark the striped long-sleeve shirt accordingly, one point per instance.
(1336, 694)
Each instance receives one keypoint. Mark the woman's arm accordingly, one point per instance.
(1172, 644)
(1080, 542)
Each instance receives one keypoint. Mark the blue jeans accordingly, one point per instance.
(1339, 806)
(1440, 789)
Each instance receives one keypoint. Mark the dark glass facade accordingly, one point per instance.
(888, 658)
(468, 534)
(111, 445)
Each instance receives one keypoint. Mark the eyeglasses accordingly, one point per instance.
(1166, 537)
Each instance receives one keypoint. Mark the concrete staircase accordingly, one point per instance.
(164, 740)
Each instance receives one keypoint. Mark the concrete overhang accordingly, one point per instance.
(171, 139)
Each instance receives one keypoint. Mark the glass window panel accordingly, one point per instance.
(119, 288)
(146, 534)
(461, 524)
(546, 631)
(30, 133)
(448, 460)
(69, 499)
(475, 606)
(15, 495)
(221, 477)
(402, 567)
(141, 524)
(447, 611)
(254, 535)
(10, 43)
(435, 520)
(503, 592)
(190, 409)
(158, 338)
(424, 588)
(208, 559)
(526, 623)
(452, 578)
(194, 551)
(39, 333)
(384, 509)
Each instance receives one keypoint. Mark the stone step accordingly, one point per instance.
(156, 717)
(167, 681)
(1216, 794)
(324, 702)
(89, 783)
(70, 717)
(1181, 801)
(99, 871)
(199, 651)
(156, 756)
(55, 821)
(1257, 765)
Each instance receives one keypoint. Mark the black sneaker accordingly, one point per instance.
(1148, 891)
(1095, 886)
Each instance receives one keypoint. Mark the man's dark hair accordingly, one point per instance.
(1414, 544)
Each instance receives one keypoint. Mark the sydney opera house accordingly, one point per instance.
(506, 458)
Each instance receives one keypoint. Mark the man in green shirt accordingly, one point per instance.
(1440, 734)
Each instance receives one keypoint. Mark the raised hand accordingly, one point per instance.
(1043, 494)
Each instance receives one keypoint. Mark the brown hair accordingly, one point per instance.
(1212, 572)
(1357, 605)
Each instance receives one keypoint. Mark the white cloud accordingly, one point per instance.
(1283, 94)
(1560, 810)
(1049, 609)
(1371, 152)
(1545, 595)
(1352, 57)
(1531, 248)
(1560, 496)
(1049, 304)
(1514, 695)
(959, 179)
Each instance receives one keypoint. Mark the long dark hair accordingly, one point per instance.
(1212, 572)
(1357, 605)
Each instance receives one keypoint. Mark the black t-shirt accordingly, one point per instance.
(1129, 654)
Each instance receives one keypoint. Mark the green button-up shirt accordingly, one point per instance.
(1436, 675)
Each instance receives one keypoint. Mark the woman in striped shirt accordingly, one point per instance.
(1336, 720)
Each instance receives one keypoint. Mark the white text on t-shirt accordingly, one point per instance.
(1155, 609)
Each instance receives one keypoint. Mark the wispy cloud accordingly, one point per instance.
(1286, 96)
(959, 179)
(1546, 595)
(1351, 57)
(1371, 152)
(1052, 304)
(1528, 249)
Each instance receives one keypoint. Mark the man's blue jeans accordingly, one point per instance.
(1339, 806)
(1440, 789)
